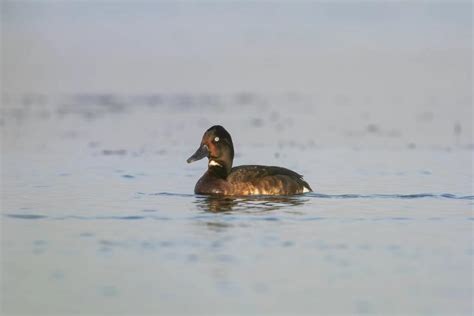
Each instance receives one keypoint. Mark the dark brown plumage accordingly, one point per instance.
(221, 179)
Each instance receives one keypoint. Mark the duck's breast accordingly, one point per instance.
(211, 185)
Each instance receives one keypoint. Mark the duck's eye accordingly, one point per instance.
(216, 139)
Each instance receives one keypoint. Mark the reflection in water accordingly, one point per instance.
(218, 204)
(217, 226)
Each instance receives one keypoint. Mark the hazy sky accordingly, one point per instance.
(362, 48)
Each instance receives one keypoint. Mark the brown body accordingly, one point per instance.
(252, 180)
(221, 179)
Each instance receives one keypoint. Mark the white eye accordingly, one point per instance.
(216, 139)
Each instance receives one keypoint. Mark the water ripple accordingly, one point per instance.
(253, 205)
(26, 216)
(112, 217)
(345, 196)
(172, 194)
(231, 218)
(391, 196)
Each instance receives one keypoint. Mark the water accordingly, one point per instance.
(103, 101)
(99, 215)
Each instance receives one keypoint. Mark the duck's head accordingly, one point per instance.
(216, 145)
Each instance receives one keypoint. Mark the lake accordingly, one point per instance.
(99, 215)
(102, 102)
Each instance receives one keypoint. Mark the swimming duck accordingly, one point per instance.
(221, 179)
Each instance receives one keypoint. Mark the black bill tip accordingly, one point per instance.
(202, 152)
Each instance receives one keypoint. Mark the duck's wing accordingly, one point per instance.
(256, 174)
(249, 172)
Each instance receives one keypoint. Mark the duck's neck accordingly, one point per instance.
(218, 168)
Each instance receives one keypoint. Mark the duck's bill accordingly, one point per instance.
(202, 152)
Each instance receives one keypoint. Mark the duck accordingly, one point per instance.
(223, 179)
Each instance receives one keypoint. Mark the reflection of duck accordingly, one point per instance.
(217, 204)
(221, 179)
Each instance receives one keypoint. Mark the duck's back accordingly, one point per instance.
(271, 180)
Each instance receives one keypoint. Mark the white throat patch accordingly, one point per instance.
(214, 163)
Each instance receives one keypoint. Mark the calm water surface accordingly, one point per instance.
(98, 214)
